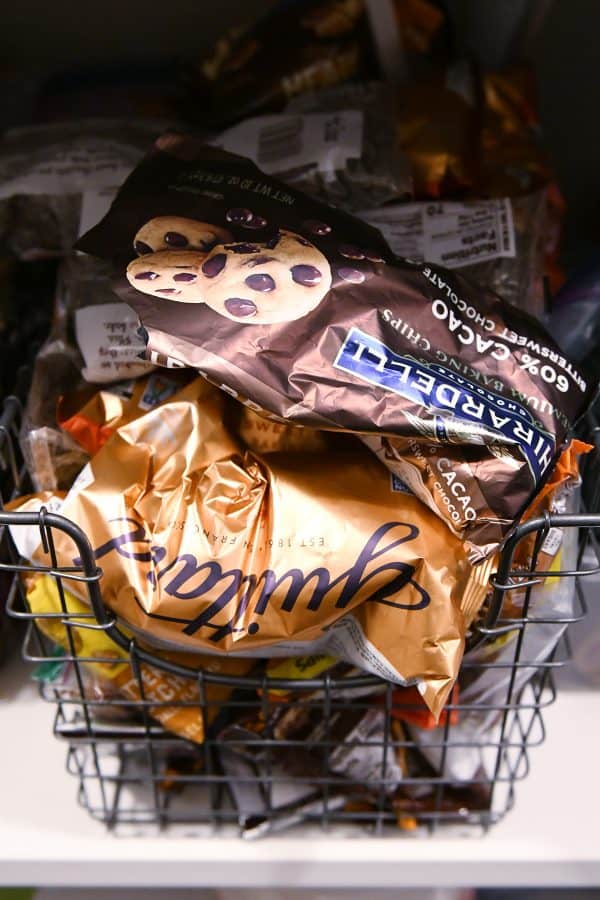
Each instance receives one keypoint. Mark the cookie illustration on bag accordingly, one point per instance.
(175, 274)
(249, 282)
(178, 233)
(277, 281)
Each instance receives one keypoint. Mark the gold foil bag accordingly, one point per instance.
(266, 435)
(208, 547)
(91, 416)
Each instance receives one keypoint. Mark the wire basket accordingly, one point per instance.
(339, 748)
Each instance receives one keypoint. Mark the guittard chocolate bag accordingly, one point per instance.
(303, 311)
(208, 547)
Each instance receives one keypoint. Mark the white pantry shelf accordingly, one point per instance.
(550, 838)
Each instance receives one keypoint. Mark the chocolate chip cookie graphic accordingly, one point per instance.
(171, 274)
(262, 283)
(178, 233)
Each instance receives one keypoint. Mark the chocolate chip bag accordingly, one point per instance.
(208, 547)
(304, 312)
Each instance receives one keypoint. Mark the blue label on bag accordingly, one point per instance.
(450, 398)
(398, 486)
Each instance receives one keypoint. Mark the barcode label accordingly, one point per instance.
(507, 229)
(323, 141)
(553, 540)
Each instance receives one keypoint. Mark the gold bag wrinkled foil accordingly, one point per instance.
(208, 547)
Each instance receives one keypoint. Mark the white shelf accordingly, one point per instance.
(550, 838)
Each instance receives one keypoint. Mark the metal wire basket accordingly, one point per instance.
(342, 748)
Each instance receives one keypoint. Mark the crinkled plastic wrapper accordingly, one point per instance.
(484, 682)
(113, 667)
(499, 243)
(479, 140)
(90, 417)
(472, 134)
(206, 546)
(379, 172)
(438, 131)
(52, 457)
(513, 158)
(108, 353)
(303, 311)
(45, 170)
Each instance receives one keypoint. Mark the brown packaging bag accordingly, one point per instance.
(303, 311)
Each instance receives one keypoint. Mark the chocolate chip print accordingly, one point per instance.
(176, 274)
(260, 261)
(214, 265)
(184, 276)
(255, 223)
(260, 283)
(239, 216)
(146, 276)
(176, 240)
(243, 248)
(351, 275)
(272, 242)
(278, 280)
(314, 227)
(241, 309)
(351, 252)
(178, 233)
(141, 248)
(308, 276)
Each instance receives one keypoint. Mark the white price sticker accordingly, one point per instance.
(449, 234)
(322, 141)
(109, 343)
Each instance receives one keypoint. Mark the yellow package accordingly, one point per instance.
(159, 686)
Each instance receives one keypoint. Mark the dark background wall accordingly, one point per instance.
(40, 35)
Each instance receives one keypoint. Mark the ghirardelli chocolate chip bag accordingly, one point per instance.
(303, 311)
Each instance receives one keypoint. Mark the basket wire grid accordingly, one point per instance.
(273, 749)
